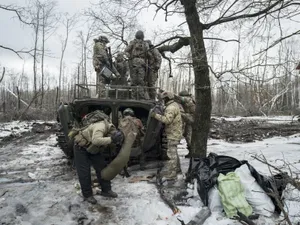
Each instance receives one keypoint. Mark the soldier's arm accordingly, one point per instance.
(127, 69)
(158, 58)
(98, 133)
(168, 116)
(188, 118)
(114, 70)
(128, 49)
(104, 56)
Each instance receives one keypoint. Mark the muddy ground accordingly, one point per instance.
(37, 183)
(250, 130)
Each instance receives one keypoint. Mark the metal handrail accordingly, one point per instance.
(110, 88)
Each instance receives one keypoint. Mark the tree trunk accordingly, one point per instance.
(63, 49)
(43, 56)
(202, 82)
(37, 25)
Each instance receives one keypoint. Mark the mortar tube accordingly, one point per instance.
(121, 160)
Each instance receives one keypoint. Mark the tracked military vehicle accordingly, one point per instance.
(116, 99)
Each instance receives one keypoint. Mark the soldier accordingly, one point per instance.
(188, 104)
(88, 150)
(101, 58)
(173, 129)
(128, 114)
(154, 63)
(137, 52)
(123, 68)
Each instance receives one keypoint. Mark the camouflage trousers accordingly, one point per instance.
(137, 74)
(172, 166)
(100, 86)
(151, 80)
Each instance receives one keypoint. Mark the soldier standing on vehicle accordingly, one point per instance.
(101, 58)
(137, 52)
(173, 130)
(123, 68)
(154, 64)
(188, 104)
(97, 134)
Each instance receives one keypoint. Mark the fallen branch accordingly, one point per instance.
(288, 178)
(38, 94)
(2, 74)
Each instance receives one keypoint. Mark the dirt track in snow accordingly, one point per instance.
(37, 187)
(37, 183)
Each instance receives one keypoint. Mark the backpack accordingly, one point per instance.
(139, 49)
(129, 124)
(87, 120)
(93, 117)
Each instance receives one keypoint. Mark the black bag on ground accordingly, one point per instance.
(206, 173)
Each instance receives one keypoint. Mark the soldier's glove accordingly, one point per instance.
(117, 137)
(152, 114)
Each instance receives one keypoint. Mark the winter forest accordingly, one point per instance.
(224, 151)
(251, 51)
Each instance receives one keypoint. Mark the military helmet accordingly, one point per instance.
(139, 35)
(184, 93)
(128, 111)
(103, 39)
(167, 94)
(149, 43)
(120, 54)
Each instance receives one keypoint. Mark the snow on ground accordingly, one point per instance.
(17, 128)
(37, 186)
(269, 119)
(14, 128)
(275, 150)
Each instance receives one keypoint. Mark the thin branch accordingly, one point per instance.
(7, 8)
(277, 42)
(16, 52)
(242, 16)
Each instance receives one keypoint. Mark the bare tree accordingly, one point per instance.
(110, 20)
(68, 23)
(201, 16)
(19, 12)
(36, 26)
(48, 24)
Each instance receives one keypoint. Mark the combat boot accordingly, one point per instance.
(109, 194)
(91, 200)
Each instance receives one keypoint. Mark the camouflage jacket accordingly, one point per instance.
(172, 121)
(187, 103)
(123, 69)
(99, 133)
(154, 59)
(137, 49)
(100, 55)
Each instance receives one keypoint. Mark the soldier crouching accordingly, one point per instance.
(88, 150)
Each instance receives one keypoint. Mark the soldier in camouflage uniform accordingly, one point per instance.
(123, 68)
(138, 54)
(101, 59)
(188, 104)
(173, 129)
(154, 63)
